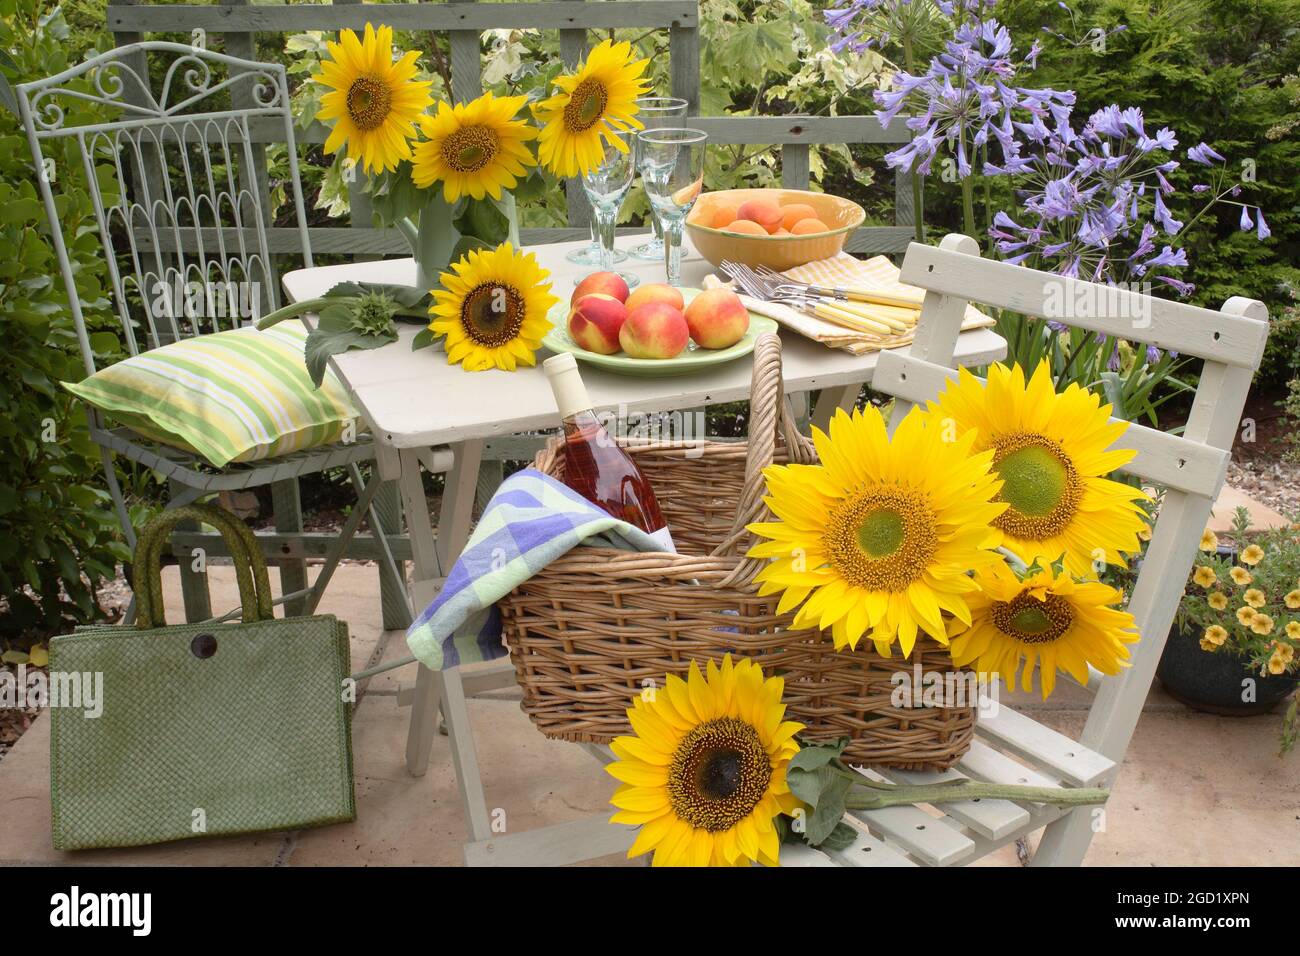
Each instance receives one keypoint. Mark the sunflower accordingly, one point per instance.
(492, 307)
(1048, 621)
(475, 148)
(593, 102)
(373, 101)
(1051, 451)
(880, 536)
(704, 775)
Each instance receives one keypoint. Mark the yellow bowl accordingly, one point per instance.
(775, 252)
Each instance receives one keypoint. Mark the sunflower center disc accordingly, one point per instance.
(492, 314)
(718, 774)
(368, 102)
(586, 105)
(1032, 621)
(470, 149)
(1040, 483)
(881, 540)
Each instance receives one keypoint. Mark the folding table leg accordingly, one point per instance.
(840, 396)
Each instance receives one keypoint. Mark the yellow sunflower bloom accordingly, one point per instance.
(1240, 576)
(1254, 597)
(1215, 634)
(1252, 554)
(1051, 451)
(704, 775)
(474, 149)
(1217, 600)
(1209, 540)
(880, 537)
(1046, 621)
(492, 308)
(597, 99)
(1262, 624)
(1246, 614)
(1204, 576)
(373, 101)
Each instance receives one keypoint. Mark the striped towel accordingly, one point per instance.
(844, 270)
(530, 521)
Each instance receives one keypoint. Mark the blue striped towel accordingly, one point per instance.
(530, 521)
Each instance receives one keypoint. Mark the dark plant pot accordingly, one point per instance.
(1213, 682)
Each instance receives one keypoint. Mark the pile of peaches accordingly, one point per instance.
(654, 322)
(763, 216)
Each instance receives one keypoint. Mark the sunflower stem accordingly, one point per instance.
(294, 309)
(892, 795)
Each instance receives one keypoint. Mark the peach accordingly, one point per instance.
(763, 211)
(654, 331)
(610, 283)
(807, 227)
(655, 292)
(717, 318)
(782, 232)
(595, 321)
(746, 227)
(794, 212)
(724, 215)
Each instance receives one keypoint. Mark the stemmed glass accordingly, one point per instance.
(656, 112)
(672, 167)
(606, 187)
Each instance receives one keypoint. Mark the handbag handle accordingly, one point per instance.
(250, 567)
(771, 427)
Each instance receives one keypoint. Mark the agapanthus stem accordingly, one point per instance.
(968, 207)
(909, 61)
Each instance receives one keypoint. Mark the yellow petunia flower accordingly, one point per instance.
(1292, 599)
(1262, 624)
(1217, 600)
(1209, 540)
(703, 775)
(1204, 576)
(1240, 576)
(1208, 645)
(1281, 659)
(1293, 630)
(1216, 635)
(1252, 555)
(1246, 614)
(1052, 451)
(373, 101)
(1254, 597)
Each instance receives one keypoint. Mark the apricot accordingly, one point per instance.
(763, 211)
(807, 227)
(745, 227)
(794, 212)
(724, 215)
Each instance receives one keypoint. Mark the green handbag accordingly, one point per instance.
(204, 729)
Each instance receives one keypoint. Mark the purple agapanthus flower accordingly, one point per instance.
(1204, 154)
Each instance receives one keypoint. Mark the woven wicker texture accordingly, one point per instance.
(596, 628)
(256, 735)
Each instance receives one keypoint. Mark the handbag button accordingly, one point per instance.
(203, 646)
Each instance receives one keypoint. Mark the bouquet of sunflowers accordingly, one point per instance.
(984, 522)
(444, 176)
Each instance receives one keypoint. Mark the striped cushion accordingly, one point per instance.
(241, 395)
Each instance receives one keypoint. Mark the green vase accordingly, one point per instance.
(433, 237)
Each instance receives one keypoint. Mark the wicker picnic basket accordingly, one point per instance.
(592, 630)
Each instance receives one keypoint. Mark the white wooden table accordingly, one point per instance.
(414, 403)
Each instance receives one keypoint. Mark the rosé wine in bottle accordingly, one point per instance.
(594, 465)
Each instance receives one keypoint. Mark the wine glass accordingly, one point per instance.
(672, 167)
(656, 112)
(606, 186)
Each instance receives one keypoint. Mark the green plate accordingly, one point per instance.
(694, 358)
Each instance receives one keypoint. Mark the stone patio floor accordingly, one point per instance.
(1195, 789)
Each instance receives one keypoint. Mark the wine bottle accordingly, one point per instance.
(594, 464)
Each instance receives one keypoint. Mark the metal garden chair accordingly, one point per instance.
(186, 205)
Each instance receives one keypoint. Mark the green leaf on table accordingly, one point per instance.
(407, 296)
(423, 340)
(812, 778)
(338, 331)
(840, 838)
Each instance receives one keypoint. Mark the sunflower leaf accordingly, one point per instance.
(407, 296)
(323, 342)
(813, 756)
(423, 339)
(840, 838)
(828, 790)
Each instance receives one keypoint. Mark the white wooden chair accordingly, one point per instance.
(1012, 748)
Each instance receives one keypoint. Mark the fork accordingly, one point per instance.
(896, 300)
(840, 312)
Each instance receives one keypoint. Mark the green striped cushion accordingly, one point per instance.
(241, 395)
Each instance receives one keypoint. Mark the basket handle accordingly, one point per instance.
(771, 427)
(250, 567)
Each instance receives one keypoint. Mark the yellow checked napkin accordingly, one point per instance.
(844, 270)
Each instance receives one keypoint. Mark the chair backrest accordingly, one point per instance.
(1190, 468)
(181, 205)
